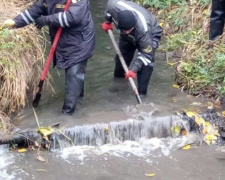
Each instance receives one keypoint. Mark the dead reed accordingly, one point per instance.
(21, 59)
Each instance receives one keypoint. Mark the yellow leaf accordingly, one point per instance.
(209, 137)
(150, 174)
(107, 129)
(176, 130)
(176, 86)
(186, 147)
(190, 113)
(199, 120)
(223, 113)
(171, 63)
(161, 24)
(45, 131)
(41, 170)
(209, 105)
(22, 150)
(205, 11)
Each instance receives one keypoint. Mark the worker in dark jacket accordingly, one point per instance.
(76, 43)
(217, 19)
(139, 30)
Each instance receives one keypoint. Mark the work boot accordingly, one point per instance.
(74, 86)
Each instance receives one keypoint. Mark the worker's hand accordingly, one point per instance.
(131, 74)
(41, 21)
(8, 23)
(107, 26)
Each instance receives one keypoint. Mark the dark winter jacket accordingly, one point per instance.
(77, 40)
(146, 30)
(217, 19)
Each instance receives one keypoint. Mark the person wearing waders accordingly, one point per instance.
(76, 43)
(217, 19)
(139, 30)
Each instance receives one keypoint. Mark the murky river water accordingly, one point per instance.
(107, 100)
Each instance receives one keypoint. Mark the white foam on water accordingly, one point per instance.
(143, 149)
(9, 168)
(6, 159)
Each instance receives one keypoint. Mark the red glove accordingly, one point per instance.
(131, 74)
(106, 26)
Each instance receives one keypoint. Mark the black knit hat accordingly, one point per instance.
(126, 20)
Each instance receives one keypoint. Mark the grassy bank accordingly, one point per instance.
(199, 64)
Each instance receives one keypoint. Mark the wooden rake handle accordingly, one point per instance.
(124, 65)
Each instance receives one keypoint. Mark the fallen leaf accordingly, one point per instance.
(209, 105)
(41, 170)
(223, 113)
(176, 130)
(173, 99)
(186, 147)
(31, 148)
(150, 174)
(45, 131)
(196, 104)
(209, 137)
(184, 132)
(41, 159)
(206, 11)
(217, 103)
(36, 144)
(161, 24)
(171, 63)
(176, 86)
(107, 129)
(22, 150)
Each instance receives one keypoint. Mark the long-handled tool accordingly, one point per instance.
(49, 60)
(124, 65)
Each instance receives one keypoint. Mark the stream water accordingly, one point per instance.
(113, 137)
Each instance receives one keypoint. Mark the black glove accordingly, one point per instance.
(41, 21)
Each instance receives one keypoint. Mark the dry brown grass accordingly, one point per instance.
(21, 58)
(6, 128)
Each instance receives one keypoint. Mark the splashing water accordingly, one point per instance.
(146, 138)
(144, 149)
(8, 168)
(117, 132)
(5, 160)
